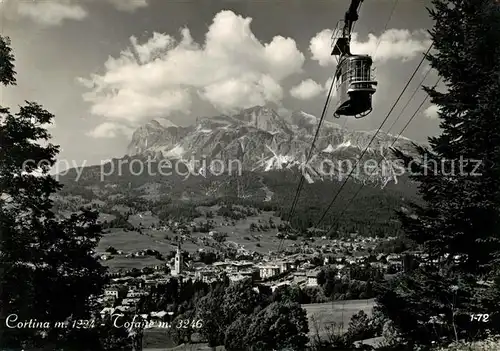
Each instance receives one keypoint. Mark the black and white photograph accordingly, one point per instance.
(249, 175)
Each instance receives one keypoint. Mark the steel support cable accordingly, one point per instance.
(325, 108)
(302, 178)
(309, 154)
(385, 27)
(374, 136)
(394, 142)
(417, 89)
(413, 116)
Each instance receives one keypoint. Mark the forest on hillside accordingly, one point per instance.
(372, 212)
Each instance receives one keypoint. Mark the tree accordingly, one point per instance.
(48, 272)
(236, 334)
(222, 306)
(279, 326)
(287, 293)
(7, 72)
(208, 257)
(181, 330)
(220, 237)
(360, 327)
(240, 298)
(327, 279)
(209, 310)
(458, 224)
(111, 250)
(110, 337)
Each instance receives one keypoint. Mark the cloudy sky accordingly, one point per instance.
(104, 67)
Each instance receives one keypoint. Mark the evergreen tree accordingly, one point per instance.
(459, 224)
(47, 272)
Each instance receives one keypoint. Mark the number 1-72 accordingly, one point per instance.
(480, 317)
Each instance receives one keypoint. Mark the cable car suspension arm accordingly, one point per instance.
(350, 17)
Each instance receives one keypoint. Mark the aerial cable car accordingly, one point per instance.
(354, 80)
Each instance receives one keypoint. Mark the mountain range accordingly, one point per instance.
(272, 151)
(261, 140)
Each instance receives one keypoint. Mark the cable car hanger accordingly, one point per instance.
(353, 77)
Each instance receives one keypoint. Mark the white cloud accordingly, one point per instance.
(129, 5)
(284, 112)
(327, 86)
(246, 91)
(232, 69)
(320, 47)
(432, 112)
(52, 125)
(50, 13)
(109, 130)
(306, 90)
(395, 44)
(426, 69)
(55, 12)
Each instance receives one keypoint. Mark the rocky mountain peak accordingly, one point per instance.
(262, 140)
(264, 118)
(165, 123)
(153, 133)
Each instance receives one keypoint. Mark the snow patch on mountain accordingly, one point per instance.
(262, 140)
(177, 151)
(165, 123)
(329, 149)
(310, 118)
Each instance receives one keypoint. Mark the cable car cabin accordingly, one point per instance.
(355, 86)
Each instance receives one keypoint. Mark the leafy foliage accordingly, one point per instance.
(357, 284)
(279, 326)
(7, 73)
(361, 327)
(210, 310)
(48, 272)
(240, 318)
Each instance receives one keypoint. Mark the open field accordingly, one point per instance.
(322, 315)
(145, 219)
(190, 347)
(131, 241)
(122, 262)
(158, 339)
(163, 240)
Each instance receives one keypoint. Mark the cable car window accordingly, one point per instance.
(351, 71)
(366, 71)
(344, 70)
